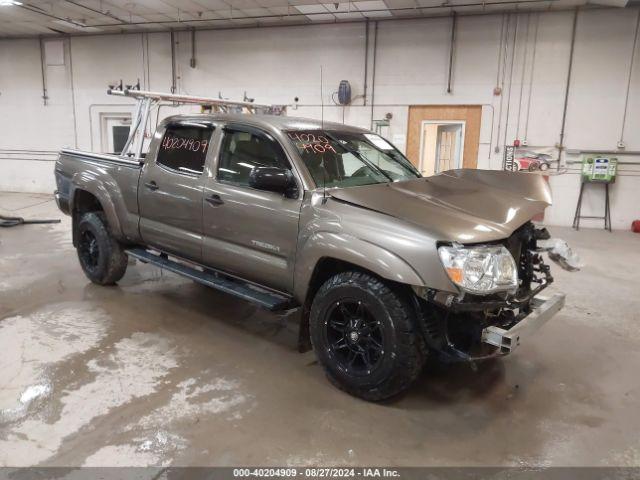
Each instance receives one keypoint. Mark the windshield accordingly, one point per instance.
(341, 159)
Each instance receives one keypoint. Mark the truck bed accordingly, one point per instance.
(111, 179)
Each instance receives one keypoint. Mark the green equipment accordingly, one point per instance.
(599, 169)
(596, 170)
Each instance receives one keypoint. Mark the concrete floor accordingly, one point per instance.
(159, 371)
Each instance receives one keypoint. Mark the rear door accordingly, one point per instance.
(171, 189)
(248, 232)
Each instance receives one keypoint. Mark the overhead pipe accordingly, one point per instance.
(626, 99)
(205, 28)
(143, 51)
(373, 69)
(513, 61)
(567, 87)
(73, 94)
(504, 47)
(504, 16)
(533, 66)
(148, 63)
(94, 10)
(366, 61)
(502, 24)
(55, 17)
(452, 46)
(173, 62)
(306, 15)
(43, 71)
(192, 61)
(524, 68)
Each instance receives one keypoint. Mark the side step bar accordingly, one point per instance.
(265, 298)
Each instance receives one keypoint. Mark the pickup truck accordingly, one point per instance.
(382, 266)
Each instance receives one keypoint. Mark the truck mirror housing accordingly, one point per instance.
(273, 179)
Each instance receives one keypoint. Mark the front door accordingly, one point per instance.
(247, 232)
(170, 190)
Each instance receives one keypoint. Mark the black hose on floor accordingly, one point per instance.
(14, 221)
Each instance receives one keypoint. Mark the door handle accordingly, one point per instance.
(215, 200)
(152, 185)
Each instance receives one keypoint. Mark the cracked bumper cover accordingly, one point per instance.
(544, 308)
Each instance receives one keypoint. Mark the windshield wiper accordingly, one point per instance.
(404, 163)
(357, 154)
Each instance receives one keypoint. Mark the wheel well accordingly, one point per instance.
(83, 202)
(325, 269)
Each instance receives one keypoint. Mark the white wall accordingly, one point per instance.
(274, 65)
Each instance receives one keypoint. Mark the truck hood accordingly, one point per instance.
(466, 206)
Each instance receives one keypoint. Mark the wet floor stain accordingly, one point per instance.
(161, 371)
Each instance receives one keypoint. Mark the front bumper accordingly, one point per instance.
(543, 308)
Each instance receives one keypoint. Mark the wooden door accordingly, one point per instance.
(469, 114)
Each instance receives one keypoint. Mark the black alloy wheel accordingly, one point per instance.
(88, 250)
(355, 336)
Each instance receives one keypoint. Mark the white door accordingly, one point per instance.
(449, 146)
(115, 131)
(441, 147)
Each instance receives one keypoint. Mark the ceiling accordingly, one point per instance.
(24, 18)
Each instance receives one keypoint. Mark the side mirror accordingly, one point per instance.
(273, 179)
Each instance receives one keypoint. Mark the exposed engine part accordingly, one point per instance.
(560, 252)
(454, 326)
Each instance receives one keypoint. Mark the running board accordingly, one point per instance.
(247, 291)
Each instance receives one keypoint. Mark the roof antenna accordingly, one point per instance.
(321, 101)
(324, 181)
(324, 167)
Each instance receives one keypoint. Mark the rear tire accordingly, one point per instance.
(364, 334)
(101, 256)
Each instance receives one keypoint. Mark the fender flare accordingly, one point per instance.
(97, 188)
(347, 248)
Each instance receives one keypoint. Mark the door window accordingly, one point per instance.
(243, 151)
(184, 147)
(115, 129)
(120, 136)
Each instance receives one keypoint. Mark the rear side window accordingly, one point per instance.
(243, 151)
(184, 147)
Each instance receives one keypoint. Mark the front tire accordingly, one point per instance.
(101, 256)
(364, 335)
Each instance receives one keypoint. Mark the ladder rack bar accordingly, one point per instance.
(186, 99)
(146, 100)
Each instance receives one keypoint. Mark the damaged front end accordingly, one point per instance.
(475, 326)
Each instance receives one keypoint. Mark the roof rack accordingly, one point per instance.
(146, 99)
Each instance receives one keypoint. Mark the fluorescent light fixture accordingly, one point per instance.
(343, 11)
(8, 3)
(76, 25)
(315, 12)
(379, 7)
(608, 3)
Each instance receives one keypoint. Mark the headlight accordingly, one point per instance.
(482, 269)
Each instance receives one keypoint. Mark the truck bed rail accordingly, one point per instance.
(105, 157)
